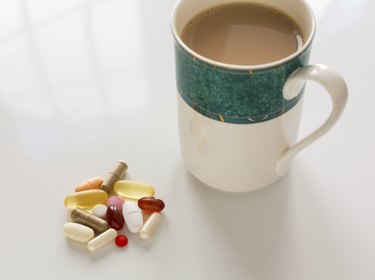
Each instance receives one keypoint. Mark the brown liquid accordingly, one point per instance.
(242, 34)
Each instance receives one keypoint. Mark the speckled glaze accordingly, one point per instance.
(235, 96)
(238, 124)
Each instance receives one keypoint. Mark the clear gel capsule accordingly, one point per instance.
(102, 240)
(90, 184)
(132, 189)
(150, 226)
(133, 216)
(78, 232)
(86, 199)
(85, 218)
(151, 204)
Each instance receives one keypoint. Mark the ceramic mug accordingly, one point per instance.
(238, 124)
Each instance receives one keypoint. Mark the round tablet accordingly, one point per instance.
(121, 241)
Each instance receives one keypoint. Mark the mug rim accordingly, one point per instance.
(229, 66)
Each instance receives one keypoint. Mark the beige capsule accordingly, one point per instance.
(150, 226)
(85, 218)
(78, 232)
(102, 240)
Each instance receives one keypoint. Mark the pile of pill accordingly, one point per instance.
(102, 207)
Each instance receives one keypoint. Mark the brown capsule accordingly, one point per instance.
(90, 184)
(115, 218)
(117, 173)
(151, 204)
(85, 218)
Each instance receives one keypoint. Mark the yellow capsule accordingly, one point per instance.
(132, 189)
(86, 199)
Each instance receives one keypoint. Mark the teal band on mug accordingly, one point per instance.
(234, 95)
(238, 124)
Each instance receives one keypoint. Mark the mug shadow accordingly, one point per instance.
(252, 221)
(268, 228)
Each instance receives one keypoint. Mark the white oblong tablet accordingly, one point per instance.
(133, 216)
(102, 239)
(78, 232)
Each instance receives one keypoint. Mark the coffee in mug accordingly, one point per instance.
(243, 34)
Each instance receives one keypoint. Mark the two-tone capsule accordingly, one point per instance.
(114, 175)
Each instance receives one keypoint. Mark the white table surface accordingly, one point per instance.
(85, 83)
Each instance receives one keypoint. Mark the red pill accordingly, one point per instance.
(121, 241)
(115, 219)
(151, 204)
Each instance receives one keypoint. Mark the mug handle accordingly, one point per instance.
(337, 89)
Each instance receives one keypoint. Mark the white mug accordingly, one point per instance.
(247, 146)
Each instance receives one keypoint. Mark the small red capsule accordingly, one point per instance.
(151, 204)
(115, 219)
(121, 241)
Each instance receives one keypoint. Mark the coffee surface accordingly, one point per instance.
(243, 34)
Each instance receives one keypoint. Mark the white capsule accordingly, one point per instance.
(133, 216)
(150, 225)
(100, 210)
(102, 239)
(78, 232)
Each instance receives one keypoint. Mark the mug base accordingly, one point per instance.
(235, 157)
(231, 189)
